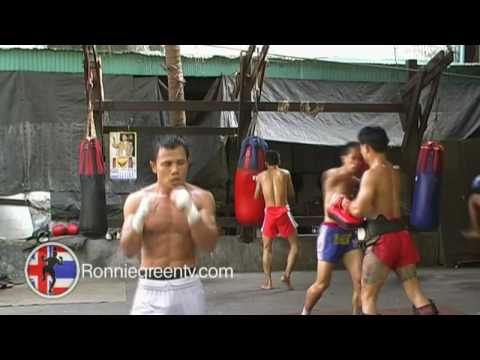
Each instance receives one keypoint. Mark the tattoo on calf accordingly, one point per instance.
(406, 273)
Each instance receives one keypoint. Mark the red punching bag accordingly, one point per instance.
(248, 210)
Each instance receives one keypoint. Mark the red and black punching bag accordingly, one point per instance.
(426, 198)
(248, 210)
(93, 210)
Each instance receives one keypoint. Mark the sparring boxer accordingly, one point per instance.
(165, 223)
(389, 244)
(474, 211)
(333, 242)
(275, 184)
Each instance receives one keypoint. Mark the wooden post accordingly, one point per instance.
(428, 106)
(98, 95)
(471, 53)
(94, 90)
(412, 66)
(245, 97)
(175, 84)
(411, 141)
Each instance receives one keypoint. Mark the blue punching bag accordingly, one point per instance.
(426, 197)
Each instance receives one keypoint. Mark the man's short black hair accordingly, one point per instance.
(348, 147)
(169, 142)
(375, 136)
(272, 157)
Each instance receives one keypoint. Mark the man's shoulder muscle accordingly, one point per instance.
(370, 176)
(202, 194)
(332, 176)
(134, 198)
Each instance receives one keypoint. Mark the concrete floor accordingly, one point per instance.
(456, 291)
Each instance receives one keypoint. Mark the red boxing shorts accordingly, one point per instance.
(278, 221)
(396, 250)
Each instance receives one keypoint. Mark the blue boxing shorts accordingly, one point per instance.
(333, 242)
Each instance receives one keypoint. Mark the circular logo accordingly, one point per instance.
(52, 270)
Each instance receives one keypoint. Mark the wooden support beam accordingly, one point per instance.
(14, 202)
(411, 140)
(414, 108)
(412, 72)
(428, 106)
(434, 68)
(259, 66)
(94, 87)
(239, 78)
(189, 105)
(188, 131)
(245, 117)
(412, 67)
(323, 107)
(98, 95)
(249, 55)
(262, 77)
(442, 66)
(279, 106)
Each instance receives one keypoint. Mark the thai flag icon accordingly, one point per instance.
(52, 270)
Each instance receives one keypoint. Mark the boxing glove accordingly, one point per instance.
(72, 229)
(59, 230)
(182, 199)
(342, 217)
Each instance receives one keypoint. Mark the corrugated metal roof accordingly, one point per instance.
(68, 61)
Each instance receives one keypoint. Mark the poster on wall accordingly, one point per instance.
(123, 155)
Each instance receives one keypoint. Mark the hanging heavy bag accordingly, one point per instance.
(93, 210)
(426, 199)
(248, 210)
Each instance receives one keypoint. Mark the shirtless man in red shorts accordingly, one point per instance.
(275, 184)
(389, 244)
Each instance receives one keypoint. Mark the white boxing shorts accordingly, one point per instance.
(185, 296)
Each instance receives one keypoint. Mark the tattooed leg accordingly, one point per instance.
(406, 273)
(374, 274)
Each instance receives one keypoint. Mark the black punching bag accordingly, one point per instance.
(93, 211)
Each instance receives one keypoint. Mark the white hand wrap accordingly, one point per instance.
(142, 212)
(183, 201)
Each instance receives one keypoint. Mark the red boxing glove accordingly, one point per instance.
(342, 217)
